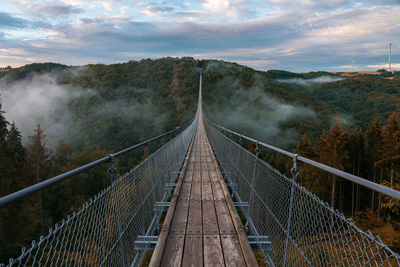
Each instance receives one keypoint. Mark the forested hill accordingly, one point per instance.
(115, 105)
(363, 98)
(111, 106)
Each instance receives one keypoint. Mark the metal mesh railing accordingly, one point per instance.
(103, 231)
(308, 232)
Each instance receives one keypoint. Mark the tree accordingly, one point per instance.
(391, 144)
(15, 218)
(63, 153)
(373, 145)
(37, 161)
(356, 148)
(59, 197)
(4, 187)
(332, 152)
(17, 153)
(4, 181)
(307, 176)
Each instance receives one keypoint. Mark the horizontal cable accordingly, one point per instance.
(61, 177)
(353, 178)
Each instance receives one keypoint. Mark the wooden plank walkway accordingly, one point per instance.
(202, 226)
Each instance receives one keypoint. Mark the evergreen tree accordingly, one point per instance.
(356, 148)
(307, 177)
(37, 161)
(373, 146)
(333, 153)
(16, 219)
(16, 155)
(391, 144)
(59, 198)
(4, 182)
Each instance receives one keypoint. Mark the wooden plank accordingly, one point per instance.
(194, 223)
(190, 166)
(213, 170)
(178, 225)
(213, 255)
(185, 191)
(218, 193)
(206, 190)
(225, 222)
(195, 193)
(232, 252)
(173, 251)
(193, 251)
(210, 223)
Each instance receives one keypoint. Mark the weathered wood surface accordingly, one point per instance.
(202, 227)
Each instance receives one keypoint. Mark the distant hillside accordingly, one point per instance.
(281, 74)
(14, 74)
(362, 98)
(116, 105)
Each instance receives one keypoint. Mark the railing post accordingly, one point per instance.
(253, 178)
(183, 145)
(112, 172)
(238, 158)
(295, 174)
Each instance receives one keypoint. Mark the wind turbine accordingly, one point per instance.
(390, 53)
(352, 62)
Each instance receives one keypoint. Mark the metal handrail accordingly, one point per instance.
(353, 178)
(61, 177)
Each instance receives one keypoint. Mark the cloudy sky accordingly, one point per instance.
(300, 35)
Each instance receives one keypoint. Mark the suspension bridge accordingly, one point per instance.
(202, 199)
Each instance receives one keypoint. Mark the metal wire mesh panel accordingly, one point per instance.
(103, 231)
(308, 232)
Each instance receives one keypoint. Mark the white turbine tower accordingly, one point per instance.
(390, 53)
(352, 62)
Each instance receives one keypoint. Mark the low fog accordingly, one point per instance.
(311, 82)
(253, 111)
(258, 115)
(37, 99)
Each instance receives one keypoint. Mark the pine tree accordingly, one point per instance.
(3, 125)
(37, 161)
(332, 152)
(391, 144)
(4, 181)
(15, 218)
(60, 197)
(373, 146)
(356, 148)
(306, 149)
(16, 154)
